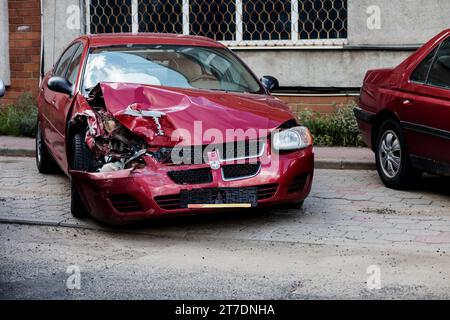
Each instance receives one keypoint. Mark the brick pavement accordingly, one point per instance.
(345, 208)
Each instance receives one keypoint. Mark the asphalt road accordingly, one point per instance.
(353, 239)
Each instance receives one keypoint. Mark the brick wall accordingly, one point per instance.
(321, 104)
(24, 48)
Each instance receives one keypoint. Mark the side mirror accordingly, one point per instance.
(270, 83)
(2, 89)
(60, 85)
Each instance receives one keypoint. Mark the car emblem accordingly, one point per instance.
(213, 158)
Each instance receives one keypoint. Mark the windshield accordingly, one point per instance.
(171, 66)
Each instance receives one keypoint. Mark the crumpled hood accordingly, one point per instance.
(155, 113)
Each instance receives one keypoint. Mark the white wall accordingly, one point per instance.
(319, 68)
(58, 29)
(4, 43)
(403, 23)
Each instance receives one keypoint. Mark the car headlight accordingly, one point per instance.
(292, 139)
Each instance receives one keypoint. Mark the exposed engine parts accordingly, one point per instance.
(117, 148)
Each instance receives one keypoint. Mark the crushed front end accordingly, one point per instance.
(140, 170)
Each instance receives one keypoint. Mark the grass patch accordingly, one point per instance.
(19, 119)
(337, 129)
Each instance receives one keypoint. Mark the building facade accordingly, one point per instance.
(318, 49)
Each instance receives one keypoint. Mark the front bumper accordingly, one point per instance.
(126, 196)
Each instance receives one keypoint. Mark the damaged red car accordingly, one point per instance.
(151, 125)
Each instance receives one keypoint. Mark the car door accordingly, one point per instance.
(51, 113)
(63, 103)
(425, 107)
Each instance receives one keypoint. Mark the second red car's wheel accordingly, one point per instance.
(392, 157)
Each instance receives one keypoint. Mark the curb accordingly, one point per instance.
(17, 153)
(46, 223)
(328, 164)
(345, 164)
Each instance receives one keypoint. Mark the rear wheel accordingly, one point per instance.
(44, 160)
(82, 160)
(392, 157)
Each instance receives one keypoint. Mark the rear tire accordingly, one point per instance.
(82, 160)
(392, 157)
(44, 160)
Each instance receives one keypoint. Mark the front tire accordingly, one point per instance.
(82, 160)
(294, 205)
(44, 160)
(392, 157)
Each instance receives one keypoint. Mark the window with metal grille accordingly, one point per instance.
(237, 23)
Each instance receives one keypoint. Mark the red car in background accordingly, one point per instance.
(404, 114)
(149, 125)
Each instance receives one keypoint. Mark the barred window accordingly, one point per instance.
(109, 16)
(160, 16)
(237, 23)
(215, 19)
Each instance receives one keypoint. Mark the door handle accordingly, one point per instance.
(407, 102)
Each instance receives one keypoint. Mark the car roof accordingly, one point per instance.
(111, 39)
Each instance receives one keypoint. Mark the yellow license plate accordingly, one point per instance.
(219, 206)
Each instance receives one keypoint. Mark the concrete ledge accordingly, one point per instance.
(345, 164)
(17, 153)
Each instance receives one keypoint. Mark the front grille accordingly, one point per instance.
(240, 171)
(267, 191)
(195, 176)
(240, 150)
(171, 202)
(298, 183)
(125, 203)
(198, 154)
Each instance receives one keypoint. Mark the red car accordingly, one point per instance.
(404, 114)
(150, 125)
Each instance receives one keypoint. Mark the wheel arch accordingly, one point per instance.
(74, 126)
(378, 120)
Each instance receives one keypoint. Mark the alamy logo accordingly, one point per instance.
(374, 279)
(73, 17)
(74, 280)
(374, 19)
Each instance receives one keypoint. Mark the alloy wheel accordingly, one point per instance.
(390, 154)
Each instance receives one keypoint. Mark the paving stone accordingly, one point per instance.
(345, 207)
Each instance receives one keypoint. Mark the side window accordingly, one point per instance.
(421, 72)
(440, 71)
(61, 66)
(74, 67)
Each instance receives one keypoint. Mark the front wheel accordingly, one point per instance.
(392, 157)
(44, 160)
(294, 205)
(82, 160)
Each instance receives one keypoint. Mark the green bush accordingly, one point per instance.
(19, 119)
(337, 129)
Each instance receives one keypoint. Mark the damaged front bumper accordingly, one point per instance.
(140, 193)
